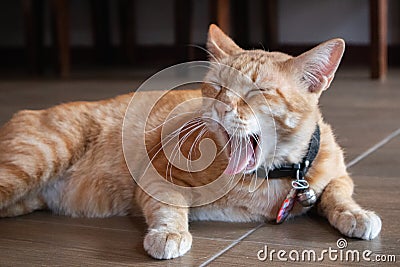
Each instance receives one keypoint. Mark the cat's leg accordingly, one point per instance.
(168, 229)
(23, 206)
(345, 214)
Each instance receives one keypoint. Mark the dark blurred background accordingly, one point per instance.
(60, 38)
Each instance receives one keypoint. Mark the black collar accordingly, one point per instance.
(298, 170)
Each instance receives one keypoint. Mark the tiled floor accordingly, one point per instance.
(363, 113)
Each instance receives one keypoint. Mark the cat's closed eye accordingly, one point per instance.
(256, 91)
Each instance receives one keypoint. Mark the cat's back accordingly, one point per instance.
(136, 104)
(66, 132)
(107, 113)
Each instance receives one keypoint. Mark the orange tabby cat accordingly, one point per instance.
(260, 109)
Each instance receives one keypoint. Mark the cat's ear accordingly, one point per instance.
(317, 66)
(219, 44)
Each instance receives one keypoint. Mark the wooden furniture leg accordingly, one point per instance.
(240, 25)
(183, 26)
(60, 28)
(270, 7)
(220, 14)
(101, 30)
(378, 26)
(127, 29)
(33, 25)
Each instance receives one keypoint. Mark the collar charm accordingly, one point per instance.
(286, 206)
(300, 191)
(306, 197)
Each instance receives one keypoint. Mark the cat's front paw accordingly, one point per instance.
(161, 244)
(360, 224)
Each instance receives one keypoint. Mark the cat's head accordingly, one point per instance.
(266, 101)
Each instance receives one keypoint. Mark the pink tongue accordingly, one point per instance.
(241, 153)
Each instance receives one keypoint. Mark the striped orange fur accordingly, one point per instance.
(70, 158)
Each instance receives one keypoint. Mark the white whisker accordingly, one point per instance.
(171, 137)
(194, 144)
(169, 119)
(177, 148)
(205, 50)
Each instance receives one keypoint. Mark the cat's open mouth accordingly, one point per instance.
(243, 153)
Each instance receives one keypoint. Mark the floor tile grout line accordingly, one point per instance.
(373, 148)
(348, 165)
(234, 243)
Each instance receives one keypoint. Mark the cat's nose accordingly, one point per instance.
(222, 108)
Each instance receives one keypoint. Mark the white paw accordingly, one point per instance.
(362, 224)
(167, 245)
